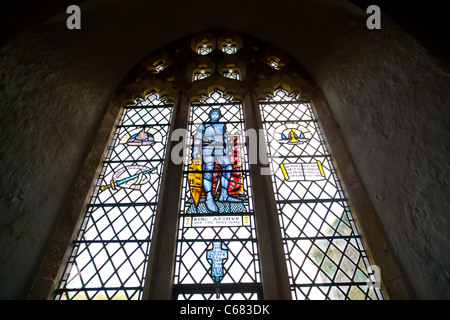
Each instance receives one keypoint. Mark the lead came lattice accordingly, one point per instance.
(324, 253)
(109, 255)
(195, 274)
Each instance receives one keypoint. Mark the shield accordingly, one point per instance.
(195, 179)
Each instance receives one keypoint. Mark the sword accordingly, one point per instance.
(115, 183)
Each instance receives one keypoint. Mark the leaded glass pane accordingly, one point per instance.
(201, 75)
(274, 65)
(204, 49)
(232, 74)
(160, 67)
(324, 253)
(109, 256)
(229, 48)
(222, 296)
(217, 254)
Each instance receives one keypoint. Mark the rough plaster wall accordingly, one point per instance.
(380, 85)
(392, 104)
(391, 101)
(46, 123)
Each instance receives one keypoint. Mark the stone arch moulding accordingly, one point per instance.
(142, 87)
(174, 82)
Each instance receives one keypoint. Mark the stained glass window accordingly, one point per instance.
(231, 73)
(159, 67)
(217, 256)
(324, 253)
(208, 201)
(109, 255)
(229, 48)
(204, 48)
(274, 64)
(202, 74)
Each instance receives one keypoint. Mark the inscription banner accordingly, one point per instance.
(217, 221)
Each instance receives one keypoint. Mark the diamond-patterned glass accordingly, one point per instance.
(216, 207)
(222, 296)
(324, 253)
(109, 255)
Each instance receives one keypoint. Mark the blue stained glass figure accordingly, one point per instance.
(210, 143)
(217, 257)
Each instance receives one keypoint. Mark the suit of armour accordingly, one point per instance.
(212, 139)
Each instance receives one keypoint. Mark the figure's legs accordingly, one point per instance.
(225, 180)
(208, 165)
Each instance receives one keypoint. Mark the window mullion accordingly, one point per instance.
(274, 275)
(159, 276)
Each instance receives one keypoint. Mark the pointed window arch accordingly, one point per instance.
(230, 220)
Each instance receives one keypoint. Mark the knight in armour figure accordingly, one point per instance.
(210, 145)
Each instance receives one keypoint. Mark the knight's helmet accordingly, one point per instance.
(214, 111)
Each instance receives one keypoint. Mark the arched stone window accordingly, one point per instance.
(224, 188)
